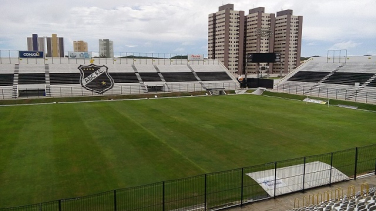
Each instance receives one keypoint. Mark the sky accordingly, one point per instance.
(180, 27)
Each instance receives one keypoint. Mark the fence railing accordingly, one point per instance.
(107, 61)
(15, 53)
(360, 95)
(77, 90)
(217, 190)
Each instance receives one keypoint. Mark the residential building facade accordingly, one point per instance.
(55, 46)
(259, 36)
(106, 48)
(225, 39)
(35, 43)
(80, 46)
(288, 40)
(232, 35)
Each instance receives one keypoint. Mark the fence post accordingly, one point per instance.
(275, 178)
(115, 206)
(327, 92)
(242, 189)
(163, 205)
(356, 162)
(60, 205)
(205, 197)
(304, 172)
(331, 167)
(366, 96)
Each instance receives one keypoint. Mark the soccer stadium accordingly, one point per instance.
(214, 147)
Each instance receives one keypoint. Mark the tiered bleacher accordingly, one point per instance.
(211, 78)
(350, 78)
(6, 81)
(61, 77)
(361, 201)
(31, 80)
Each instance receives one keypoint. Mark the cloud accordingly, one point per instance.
(312, 44)
(180, 50)
(131, 46)
(345, 45)
(166, 26)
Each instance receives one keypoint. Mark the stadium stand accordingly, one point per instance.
(6, 81)
(30, 80)
(179, 76)
(351, 78)
(364, 200)
(60, 77)
(220, 79)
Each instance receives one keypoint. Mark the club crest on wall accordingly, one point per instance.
(95, 78)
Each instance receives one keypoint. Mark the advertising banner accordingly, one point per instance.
(79, 55)
(195, 57)
(30, 54)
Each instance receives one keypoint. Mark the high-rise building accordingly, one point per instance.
(80, 46)
(35, 43)
(106, 48)
(288, 40)
(259, 39)
(231, 36)
(55, 46)
(226, 37)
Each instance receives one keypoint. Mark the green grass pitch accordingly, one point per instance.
(49, 152)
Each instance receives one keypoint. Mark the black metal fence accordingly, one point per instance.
(217, 190)
(78, 91)
(360, 95)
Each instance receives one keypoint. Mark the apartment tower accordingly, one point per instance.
(35, 43)
(259, 36)
(288, 40)
(106, 48)
(231, 36)
(80, 46)
(226, 37)
(55, 46)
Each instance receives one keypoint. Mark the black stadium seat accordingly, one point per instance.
(213, 76)
(346, 78)
(308, 76)
(124, 77)
(31, 78)
(64, 78)
(150, 77)
(179, 76)
(6, 79)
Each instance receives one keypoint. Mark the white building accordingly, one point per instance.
(106, 48)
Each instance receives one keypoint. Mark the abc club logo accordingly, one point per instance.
(95, 78)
